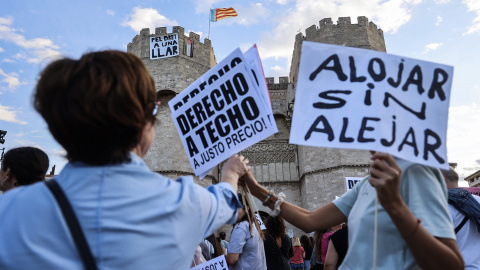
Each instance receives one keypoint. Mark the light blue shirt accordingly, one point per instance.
(248, 246)
(423, 190)
(132, 218)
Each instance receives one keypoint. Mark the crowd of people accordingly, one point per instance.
(108, 210)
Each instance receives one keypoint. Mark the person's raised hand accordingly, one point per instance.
(385, 175)
(235, 167)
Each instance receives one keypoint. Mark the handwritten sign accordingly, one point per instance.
(164, 46)
(218, 263)
(222, 113)
(363, 99)
(352, 181)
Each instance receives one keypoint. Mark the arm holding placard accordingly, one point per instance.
(303, 219)
(430, 252)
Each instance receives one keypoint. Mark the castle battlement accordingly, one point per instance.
(342, 23)
(282, 82)
(364, 34)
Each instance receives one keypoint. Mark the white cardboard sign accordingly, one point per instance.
(363, 99)
(222, 113)
(164, 46)
(218, 263)
(350, 182)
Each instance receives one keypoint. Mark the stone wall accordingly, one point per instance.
(309, 176)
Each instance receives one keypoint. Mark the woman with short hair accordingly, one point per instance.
(22, 166)
(102, 109)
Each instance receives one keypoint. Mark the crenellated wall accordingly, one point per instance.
(174, 73)
(363, 35)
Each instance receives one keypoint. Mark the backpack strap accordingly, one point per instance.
(73, 225)
(460, 226)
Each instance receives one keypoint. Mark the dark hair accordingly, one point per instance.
(96, 107)
(27, 164)
(450, 175)
(275, 226)
(223, 235)
(217, 247)
(305, 241)
(253, 220)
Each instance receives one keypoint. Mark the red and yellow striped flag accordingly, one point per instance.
(222, 13)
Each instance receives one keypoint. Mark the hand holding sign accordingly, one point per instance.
(363, 99)
(234, 168)
(385, 178)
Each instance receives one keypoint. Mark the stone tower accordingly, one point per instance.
(309, 176)
(172, 75)
(316, 175)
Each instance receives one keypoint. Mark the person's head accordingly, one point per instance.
(246, 213)
(100, 107)
(222, 235)
(296, 242)
(22, 166)
(451, 178)
(275, 226)
(305, 241)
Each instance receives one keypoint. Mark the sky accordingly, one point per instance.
(33, 33)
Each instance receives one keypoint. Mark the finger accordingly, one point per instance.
(389, 159)
(247, 161)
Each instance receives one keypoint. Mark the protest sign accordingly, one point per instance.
(164, 46)
(363, 99)
(218, 263)
(222, 113)
(352, 181)
(260, 222)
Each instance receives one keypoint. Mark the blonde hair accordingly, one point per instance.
(296, 242)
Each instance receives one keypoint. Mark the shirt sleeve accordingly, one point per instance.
(216, 205)
(347, 200)
(238, 239)
(423, 190)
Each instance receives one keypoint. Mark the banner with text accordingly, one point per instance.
(164, 46)
(352, 181)
(363, 99)
(218, 263)
(222, 113)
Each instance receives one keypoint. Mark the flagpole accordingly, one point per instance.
(209, 19)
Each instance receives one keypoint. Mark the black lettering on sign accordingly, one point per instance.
(192, 148)
(384, 142)
(352, 183)
(381, 72)
(353, 71)
(428, 147)
(412, 142)
(344, 130)
(327, 95)
(337, 68)
(399, 76)
(420, 114)
(364, 127)
(415, 77)
(437, 84)
(327, 129)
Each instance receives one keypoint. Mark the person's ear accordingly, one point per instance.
(8, 173)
